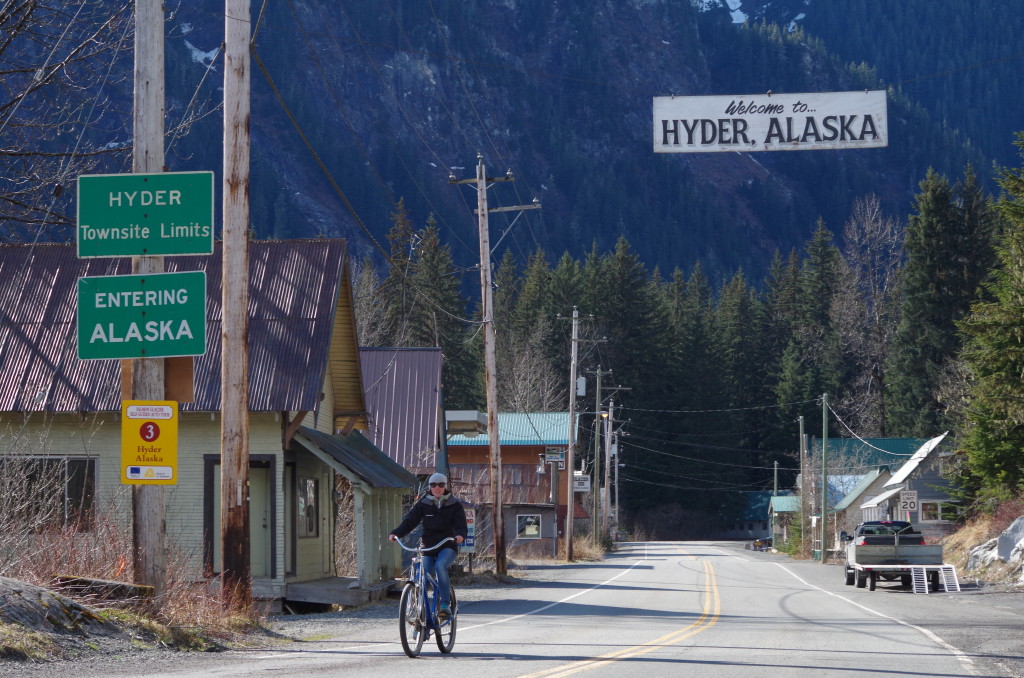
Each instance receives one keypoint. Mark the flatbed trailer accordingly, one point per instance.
(919, 577)
(892, 550)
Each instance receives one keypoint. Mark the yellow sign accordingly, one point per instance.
(149, 442)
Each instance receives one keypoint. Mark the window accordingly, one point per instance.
(40, 493)
(308, 513)
(528, 526)
(934, 511)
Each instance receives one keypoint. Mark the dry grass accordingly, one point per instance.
(189, 615)
(585, 547)
(20, 644)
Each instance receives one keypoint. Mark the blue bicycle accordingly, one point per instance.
(417, 611)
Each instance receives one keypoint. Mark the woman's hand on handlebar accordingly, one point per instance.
(393, 537)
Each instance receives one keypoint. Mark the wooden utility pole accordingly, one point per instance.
(236, 582)
(596, 488)
(606, 492)
(490, 370)
(147, 374)
(570, 456)
(824, 474)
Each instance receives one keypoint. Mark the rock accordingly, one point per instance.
(1011, 541)
(39, 609)
(982, 556)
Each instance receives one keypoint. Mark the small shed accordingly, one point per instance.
(782, 511)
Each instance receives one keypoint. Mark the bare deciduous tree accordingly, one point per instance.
(527, 382)
(60, 65)
(373, 326)
(866, 307)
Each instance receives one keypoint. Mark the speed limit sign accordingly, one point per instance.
(908, 500)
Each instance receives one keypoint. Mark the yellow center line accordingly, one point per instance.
(709, 616)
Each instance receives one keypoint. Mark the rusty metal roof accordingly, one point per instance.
(521, 484)
(403, 401)
(294, 288)
(358, 455)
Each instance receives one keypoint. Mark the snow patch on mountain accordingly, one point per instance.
(735, 12)
(201, 57)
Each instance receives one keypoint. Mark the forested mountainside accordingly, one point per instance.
(390, 98)
(361, 114)
(956, 60)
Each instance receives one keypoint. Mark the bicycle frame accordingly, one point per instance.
(425, 606)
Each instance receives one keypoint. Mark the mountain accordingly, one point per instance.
(389, 99)
(959, 61)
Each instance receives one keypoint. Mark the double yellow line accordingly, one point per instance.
(707, 619)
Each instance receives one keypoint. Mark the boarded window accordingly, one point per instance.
(308, 513)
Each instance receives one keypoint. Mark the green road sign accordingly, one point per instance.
(142, 316)
(145, 215)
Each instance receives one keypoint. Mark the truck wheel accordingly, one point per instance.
(849, 576)
(862, 579)
(872, 579)
(905, 581)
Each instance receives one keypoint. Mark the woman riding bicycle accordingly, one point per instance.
(442, 516)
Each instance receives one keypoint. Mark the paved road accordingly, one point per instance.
(661, 609)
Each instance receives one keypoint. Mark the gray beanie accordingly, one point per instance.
(438, 478)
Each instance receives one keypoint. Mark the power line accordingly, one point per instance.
(726, 409)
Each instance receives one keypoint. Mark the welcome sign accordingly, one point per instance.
(771, 122)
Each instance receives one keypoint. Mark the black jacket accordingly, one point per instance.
(448, 520)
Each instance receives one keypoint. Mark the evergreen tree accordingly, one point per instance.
(939, 283)
(398, 291)
(527, 380)
(437, 319)
(994, 354)
(811, 359)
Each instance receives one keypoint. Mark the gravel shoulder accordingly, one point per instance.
(126, 650)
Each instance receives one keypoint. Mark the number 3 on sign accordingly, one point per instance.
(149, 431)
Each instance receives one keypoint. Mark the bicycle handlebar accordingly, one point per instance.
(424, 550)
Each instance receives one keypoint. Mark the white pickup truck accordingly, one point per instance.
(891, 550)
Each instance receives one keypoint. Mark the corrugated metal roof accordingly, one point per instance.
(922, 453)
(858, 490)
(521, 483)
(293, 297)
(524, 428)
(787, 504)
(403, 401)
(875, 501)
(871, 451)
(358, 455)
(756, 505)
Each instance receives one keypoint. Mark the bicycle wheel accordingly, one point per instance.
(410, 620)
(445, 634)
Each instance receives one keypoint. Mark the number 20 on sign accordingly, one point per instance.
(149, 442)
